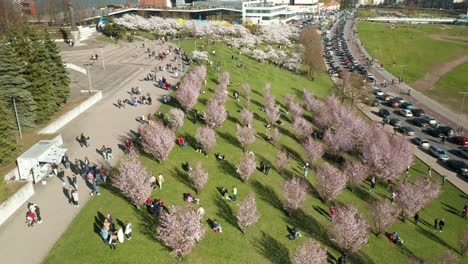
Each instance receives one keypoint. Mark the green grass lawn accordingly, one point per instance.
(408, 48)
(266, 241)
(452, 83)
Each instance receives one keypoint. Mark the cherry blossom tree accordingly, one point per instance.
(310, 253)
(273, 113)
(282, 159)
(199, 177)
(246, 117)
(330, 182)
(246, 94)
(246, 167)
(224, 78)
(355, 172)
(259, 55)
(245, 136)
(189, 90)
(383, 215)
(275, 135)
(339, 140)
(206, 137)
(180, 228)
(313, 150)
(268, 98)
(302, 128)
(133, 179)
(157, 140)
(349, 230)
(463, 242)
(215, 113)
(312, 103)
(295, 193)
(175, 118)
(411, 197)
(294, 108)
(248, 213)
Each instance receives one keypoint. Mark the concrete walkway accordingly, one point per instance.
(106, 125)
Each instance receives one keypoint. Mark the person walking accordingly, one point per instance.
(113, 240)
(429, 171)
(442, 140)
(372, 185)
(74, 182)
(267, 168)
(61, 176)
(37, 211)
(464, 211)
(75, 198)
(332, 213)
(394, 194)
(234, 193)
(128, 230)
(66, 161)
(95, 189)
(416, 218)
(160, 181)
(441, 224)
(306, 169)
(128, 145)
(436, 224)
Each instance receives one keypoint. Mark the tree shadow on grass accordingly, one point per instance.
(288, 133)
(432, 236)
(233, 119)
(362, 194)
(98, 221)
(294, 154)
(225, 211)
(259, 118)
(451, 209)
(147, 224)
(321, 211)
(182, 177)
(267, 194)
(229, 138)
(272, 249)
(229, 169)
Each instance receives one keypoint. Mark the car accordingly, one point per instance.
(463, 152)
(419, 122)
(399, 99)
(422, 142)
(394, 122)
(384, 113)
(458, 166)
(460, 140)
(371, 101)
(430, 120)
(406, 130)
(384, 97)
(417, 112)
(407, 105)
(438, 153)
(379, 92)
(393, 103)
(406, 113)
(442, 131)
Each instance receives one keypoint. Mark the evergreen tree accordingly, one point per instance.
(7, 133)
(57, 71)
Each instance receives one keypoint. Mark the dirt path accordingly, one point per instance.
(453, 39)
(436, 71)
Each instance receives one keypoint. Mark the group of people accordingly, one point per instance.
(84, 140)
(226, 195)
(265, 167)
(154, 206)
(33, 215)
(157, 181)
(110, 235)
(106, 152)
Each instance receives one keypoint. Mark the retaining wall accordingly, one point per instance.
(10, 206)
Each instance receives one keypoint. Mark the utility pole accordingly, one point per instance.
(102, 57)
(460, 128)
(17, 119)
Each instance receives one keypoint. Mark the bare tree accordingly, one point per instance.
(354, 87)
(312, 43)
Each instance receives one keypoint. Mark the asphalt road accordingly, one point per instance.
(448, 147)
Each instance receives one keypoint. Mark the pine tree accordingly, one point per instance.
(7, 133)
(57, 71)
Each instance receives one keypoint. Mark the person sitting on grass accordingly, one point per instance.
(186, 166)
(189, 198)
(182, 142)
(219, 156)
(293, 233)
(226, 194)
(217, 227)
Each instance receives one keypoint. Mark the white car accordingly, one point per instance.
(406, 113)
(422, 142)
(379, 92)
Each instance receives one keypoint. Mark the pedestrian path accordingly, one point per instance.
(106, 125)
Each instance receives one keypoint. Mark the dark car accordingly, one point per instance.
(407, 105)
(418, 112)
(460, 140)
(395, 122)
(405, 130)
(419, 122)
(442, 131)
(384, 113)
(393, 103)
(458, 166)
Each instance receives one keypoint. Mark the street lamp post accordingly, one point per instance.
(17, 119)
(102, 58)
(401, 76)
(460, 128)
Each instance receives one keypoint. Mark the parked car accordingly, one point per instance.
(393, 103)
(418, 112)
(438, 153)
(460, 140)
(384, 97)
(407, 105)
(406, 113)
(430, 120)
(442, 131)
(458, 166)
(405, 130)
(422, 142)
(378, 92)
(463, 152)
(399, 99)
(419, 122)
(384, 113)
(395, 122)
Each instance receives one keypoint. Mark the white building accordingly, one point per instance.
(259, 12)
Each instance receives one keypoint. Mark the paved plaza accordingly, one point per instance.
(104, 123)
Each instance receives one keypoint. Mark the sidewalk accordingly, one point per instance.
(106, 125)
(436, 110)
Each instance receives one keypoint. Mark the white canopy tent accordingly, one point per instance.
(35, 163)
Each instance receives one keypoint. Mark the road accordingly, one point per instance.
(450, 148)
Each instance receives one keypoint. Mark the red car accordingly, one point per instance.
(460, 140)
